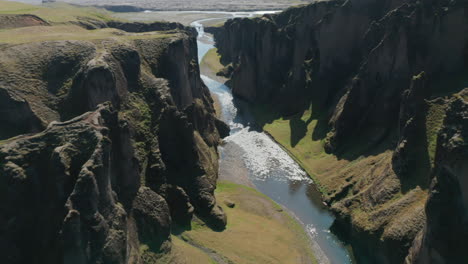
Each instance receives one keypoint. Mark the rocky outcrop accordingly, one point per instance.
(15, 21)
(57, 193)
(374, 76)
(446, 231)
(276, 58)
(128, 148)
(342, 53)
(144, 27)
(153, 219)
(402, 50)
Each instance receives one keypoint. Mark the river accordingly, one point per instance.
(269, 168)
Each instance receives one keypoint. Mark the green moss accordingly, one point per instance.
(138, 114)
(434, 120)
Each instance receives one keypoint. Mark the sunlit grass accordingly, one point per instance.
(306, 150)
(71, 32)
(258, 230)
(55, 13)
(211, 61)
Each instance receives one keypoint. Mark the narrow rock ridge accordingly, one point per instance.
(378, 76)
(128, 148)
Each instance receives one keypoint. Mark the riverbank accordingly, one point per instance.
(210, 65)
(251, 156)
(258, 230)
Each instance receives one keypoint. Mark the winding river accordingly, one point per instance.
(269, 168)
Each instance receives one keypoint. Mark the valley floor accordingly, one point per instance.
(258, 231)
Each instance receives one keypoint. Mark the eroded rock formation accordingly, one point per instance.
(378, 76)
(445, 233)
(128, 148)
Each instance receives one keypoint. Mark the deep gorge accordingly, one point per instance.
(385, 83)
(112, 151)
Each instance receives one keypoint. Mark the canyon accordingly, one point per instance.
(107, 141)
(332, 132)
(369, 97)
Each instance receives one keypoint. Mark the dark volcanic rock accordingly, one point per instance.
(181, 209)
(59, 182)
(96, 183)
(411, 147)
(446, 233)
(153, 219)
(356, 65)
(145, 27)
(344, 56)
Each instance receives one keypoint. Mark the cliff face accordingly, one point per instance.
(315, 49)
(128, 147)
(446, 231)
(378, 76)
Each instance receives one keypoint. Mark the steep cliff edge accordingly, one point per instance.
(357, 91)
(128, 147)
(446, 231)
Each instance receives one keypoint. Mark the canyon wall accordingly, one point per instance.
(384, 79)
(105, 146)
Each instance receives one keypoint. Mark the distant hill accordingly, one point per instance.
(176, 5)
